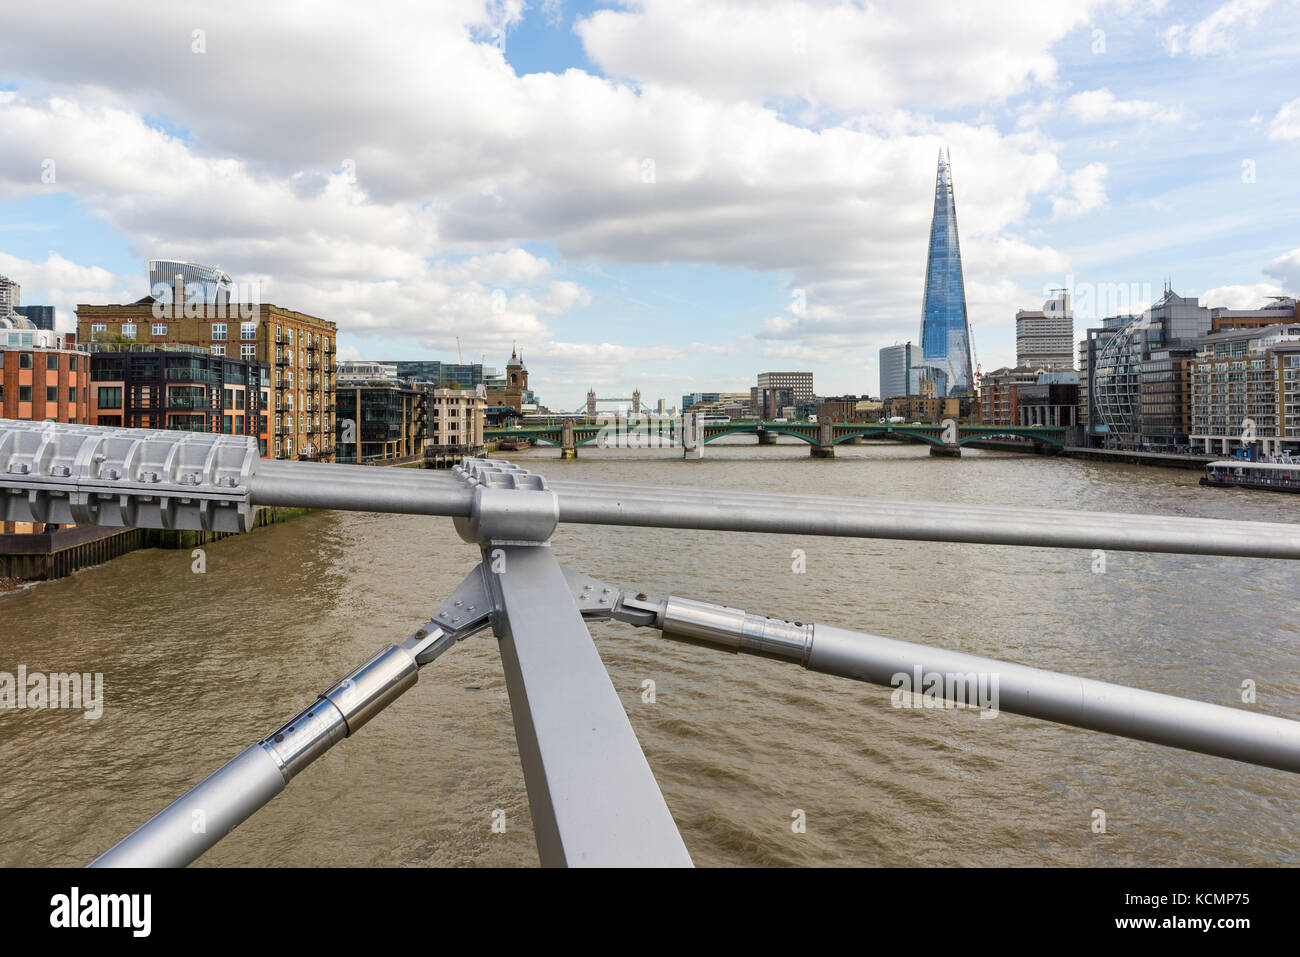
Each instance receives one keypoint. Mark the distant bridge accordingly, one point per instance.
(944, 438)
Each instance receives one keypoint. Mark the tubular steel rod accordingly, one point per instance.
(363, 488)
(911, 521)
(983, 682)
(183, 830)
(367, 488)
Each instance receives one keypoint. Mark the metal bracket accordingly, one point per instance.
(145, 478)
(511, 505)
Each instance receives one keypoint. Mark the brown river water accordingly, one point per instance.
(198, 666)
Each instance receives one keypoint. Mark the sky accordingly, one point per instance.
(670, 195)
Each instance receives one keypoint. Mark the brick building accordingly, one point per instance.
(299, 349)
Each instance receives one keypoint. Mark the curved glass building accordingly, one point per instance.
(945, 331)
(203, 284)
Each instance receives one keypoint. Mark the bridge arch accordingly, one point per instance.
(1038, 439)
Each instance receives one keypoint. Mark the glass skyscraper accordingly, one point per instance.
(945, 331)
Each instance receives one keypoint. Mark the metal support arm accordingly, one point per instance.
(956, 677)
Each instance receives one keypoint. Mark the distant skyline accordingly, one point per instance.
(671, 195)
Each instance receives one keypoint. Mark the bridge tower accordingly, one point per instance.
(636, 402)
(568, 447)
(591, 403)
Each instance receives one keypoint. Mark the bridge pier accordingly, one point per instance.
(766, 438)
(946, 451)
(825, 447)
(692, 436)
(568, 448)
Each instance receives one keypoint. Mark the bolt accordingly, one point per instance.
(641, 596)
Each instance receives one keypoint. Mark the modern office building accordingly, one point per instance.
(380, 418)
(777, 392)
(694, 398)
(1244, 390)
(467, 375)
(903, 373)
(1134, 390)
(185, 388)
(1045, 337)
(202, 284)
(299, 348)
(945, 328)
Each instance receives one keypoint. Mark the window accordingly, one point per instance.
(128, 330)
(248, 330)
(98, 327)
(160, 328)
(248, 351)
(24, 393)
(72, 396)
(24, 360)
(52, 394)
(218, 330)
(218, 350)
(2, 359)
(288, 338)
(52, 361)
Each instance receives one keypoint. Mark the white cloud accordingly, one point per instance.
(1215, 33)
(1240, 297)
(1286, 125)
(392, 181)
(63, 283)
(1100, 106)
(1286, 269)
(1086, 192)
(836, 55)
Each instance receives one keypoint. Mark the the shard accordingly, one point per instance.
(945, 331)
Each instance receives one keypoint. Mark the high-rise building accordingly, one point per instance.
(945, 329)
(202, 284)
(767, 400)
(10, 292)
(903, 373)
(1134, 385)
(1045, 337)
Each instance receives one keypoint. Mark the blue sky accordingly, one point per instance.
(666, 195)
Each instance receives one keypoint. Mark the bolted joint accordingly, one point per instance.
(510, 516)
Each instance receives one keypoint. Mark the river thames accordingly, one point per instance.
(198, 666)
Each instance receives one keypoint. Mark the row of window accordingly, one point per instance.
(51, 394)
(27, 360)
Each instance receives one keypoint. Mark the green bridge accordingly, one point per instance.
(943, 438)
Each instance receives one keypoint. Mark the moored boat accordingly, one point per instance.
(1265, 476)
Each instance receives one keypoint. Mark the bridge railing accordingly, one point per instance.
(593, 796)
